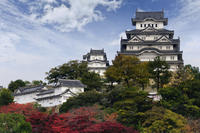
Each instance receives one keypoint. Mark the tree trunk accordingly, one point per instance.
(127, 83)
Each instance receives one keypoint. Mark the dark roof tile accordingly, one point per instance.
(155, 15)
(71, 83)
(27, 90)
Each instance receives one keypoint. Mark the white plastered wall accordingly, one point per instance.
(139, 47)
(97, 57)
(26, 98)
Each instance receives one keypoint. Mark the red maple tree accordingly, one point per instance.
(81, 120)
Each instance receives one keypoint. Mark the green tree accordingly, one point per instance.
(14, 123)
(5, 97)
(143, 75)
(183, 99)
(124, 69)
(112, 75)
(92, 80)
(194, 70)
(192, 89)
(13, 85)
(130, 105)
(75, 70)
(27, 83)
(184, 74)
(159, 71)
(88, 98)
(160, 120)
(71, 70)
(37, 82)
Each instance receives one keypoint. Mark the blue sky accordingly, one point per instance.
(36, 35)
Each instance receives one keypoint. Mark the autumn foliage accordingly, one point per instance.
(81, 120)
(25, 109)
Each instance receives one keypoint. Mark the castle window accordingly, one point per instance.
(138, 47)
(155, 38)
(160, 47)
(172, 57)
(143, 38)
(144, 25)
(167, 47)
(152, 25)
(140, 25)
(156, 25)
(149, 25)
(163, 58)
(130, 47)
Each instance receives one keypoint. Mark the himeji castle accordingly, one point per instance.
(150, 39)
(97, 61)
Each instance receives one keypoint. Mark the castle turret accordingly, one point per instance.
(97, 61)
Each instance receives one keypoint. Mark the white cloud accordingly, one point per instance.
(188, 13)
(6, 46)
(140, 10)
(29, 49)
(116, 41)
(69, 15)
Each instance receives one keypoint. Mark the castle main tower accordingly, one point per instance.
(150, 39)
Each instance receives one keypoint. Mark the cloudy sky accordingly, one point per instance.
(36, 35)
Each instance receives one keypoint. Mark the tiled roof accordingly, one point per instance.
(48, 97)
(155, 15)
(28, 90)
(94, 52)
(173, 41)
(157, 30)
(141, 16)
(71, 83)
(153, 49)
(43, 92)
(54, 96)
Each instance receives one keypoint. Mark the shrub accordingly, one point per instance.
(160, 120)
(84, 99)
(14, 123)
(5, 97)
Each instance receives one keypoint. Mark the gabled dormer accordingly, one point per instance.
(163, 39)
(135, 39)
(149, 29)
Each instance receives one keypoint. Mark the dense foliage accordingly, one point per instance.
(71, 70)
(122, 102)
(92, 80)
(75, 70)
(194, 71)
(24, 109)
(184, 99)
(160, 120)
(5, 97)
(130, 105)
(159, 71)
(37, 82)
(88, 98)
(14, 123)
(13, 85)
(81, 120)
(128, 70)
